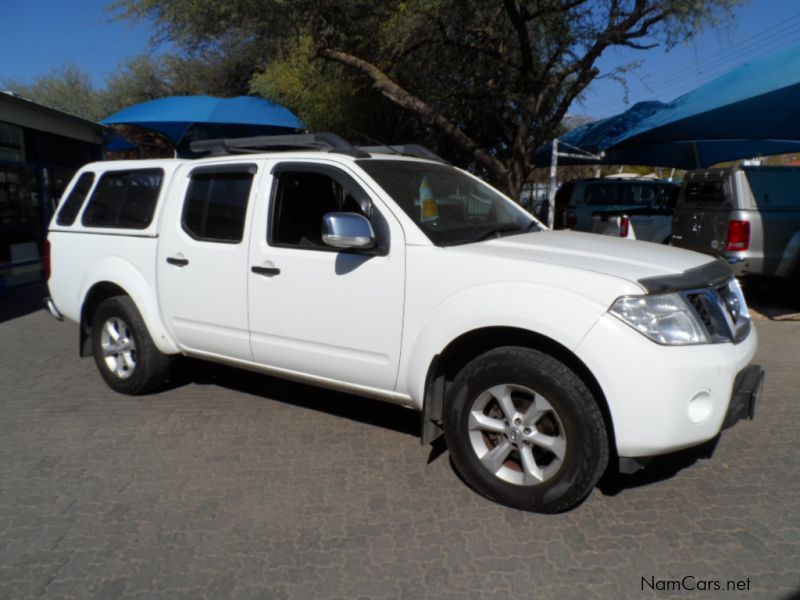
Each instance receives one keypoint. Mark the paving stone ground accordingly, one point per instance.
(236, 485)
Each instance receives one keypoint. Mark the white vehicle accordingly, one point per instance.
(618, 205)
(541, 354)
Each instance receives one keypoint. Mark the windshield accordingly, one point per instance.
(449, 206)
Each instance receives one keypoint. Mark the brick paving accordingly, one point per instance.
(232, 484)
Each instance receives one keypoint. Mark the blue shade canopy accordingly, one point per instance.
(115, 143)
(753, 110)
(175, 115)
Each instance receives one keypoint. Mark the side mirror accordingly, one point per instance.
(347, 230)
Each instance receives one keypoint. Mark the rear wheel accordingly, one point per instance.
(524, 430)
(124, 352)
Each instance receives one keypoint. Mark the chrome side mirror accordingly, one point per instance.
(347, 230)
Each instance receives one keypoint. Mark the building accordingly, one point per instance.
(40, 150)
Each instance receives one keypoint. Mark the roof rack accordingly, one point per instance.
(329, 142)
(310, 141)
(405, 150)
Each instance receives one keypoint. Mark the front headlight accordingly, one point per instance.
(664, 318)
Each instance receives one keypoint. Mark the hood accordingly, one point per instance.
(627, 259)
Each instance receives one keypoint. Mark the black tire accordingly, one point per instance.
(573, 420)
(145, 368)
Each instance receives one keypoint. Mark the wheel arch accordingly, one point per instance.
(104, 288)
(97, 294)
(467, 346)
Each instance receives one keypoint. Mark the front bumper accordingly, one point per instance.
(666, 398)
(747, 390)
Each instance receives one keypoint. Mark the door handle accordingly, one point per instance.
(178, 262)
(268, 271)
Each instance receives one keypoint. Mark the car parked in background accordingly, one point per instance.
(617, 206)
(750, 215)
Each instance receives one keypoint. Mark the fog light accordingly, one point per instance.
(700, 407)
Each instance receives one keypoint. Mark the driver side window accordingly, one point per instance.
(302, 197)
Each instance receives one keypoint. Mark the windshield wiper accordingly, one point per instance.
(498, 231)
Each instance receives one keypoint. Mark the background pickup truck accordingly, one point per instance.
(407, 280)
(748, 215)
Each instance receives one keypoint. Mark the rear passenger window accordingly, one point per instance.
(640, 194)
(72, 205)
(124, 199)
(216, 203)
(603, 193)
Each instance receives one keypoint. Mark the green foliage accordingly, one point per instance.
(68, 88)
(483, 82)
(328, 96)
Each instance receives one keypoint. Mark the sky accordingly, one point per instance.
(37, 36)
(759, 28)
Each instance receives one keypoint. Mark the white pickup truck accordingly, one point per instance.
(542, 355)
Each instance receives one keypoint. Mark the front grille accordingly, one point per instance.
(696, 300)
(722, 311)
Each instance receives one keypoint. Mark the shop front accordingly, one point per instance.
(40, 150)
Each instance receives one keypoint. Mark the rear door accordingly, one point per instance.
(700, 220)
(202, 259)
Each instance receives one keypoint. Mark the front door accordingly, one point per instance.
(202, 260)
(315, 309)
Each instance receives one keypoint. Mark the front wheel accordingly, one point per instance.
(524, 430)
(124, 352)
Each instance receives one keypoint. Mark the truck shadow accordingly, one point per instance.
(338, 404)
(396, 418)
(660, 468)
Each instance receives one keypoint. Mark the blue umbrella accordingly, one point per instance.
(208, 116)
(752, 110)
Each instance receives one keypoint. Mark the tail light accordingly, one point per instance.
(571, 220)
(46, 261)
(738, 235)
(624, 226)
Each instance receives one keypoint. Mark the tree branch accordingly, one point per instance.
(389, 88)
(521, 26)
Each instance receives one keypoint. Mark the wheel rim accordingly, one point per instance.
(118, 347)
(517, 435)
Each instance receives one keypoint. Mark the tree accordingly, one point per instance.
(490, 80)
(67, 88)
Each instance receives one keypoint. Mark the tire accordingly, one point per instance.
(555, 452)
(124, 352)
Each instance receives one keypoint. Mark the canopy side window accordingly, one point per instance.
(124, 199)
(72, 205)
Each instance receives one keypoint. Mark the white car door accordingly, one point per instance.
(314, 309)
(202, 259)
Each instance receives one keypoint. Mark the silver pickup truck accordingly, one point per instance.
(749, 215)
